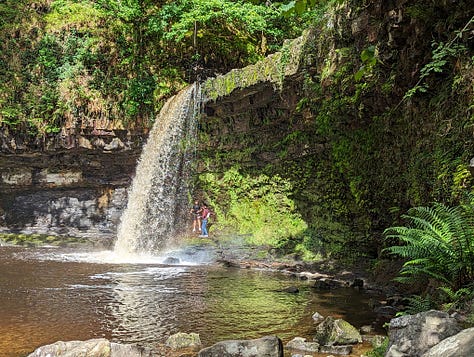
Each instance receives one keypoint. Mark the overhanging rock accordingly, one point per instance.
(258, 84)
(248, 111)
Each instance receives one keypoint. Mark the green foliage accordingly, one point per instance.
(229, 33)
(442, 53)
(457, 299)
(417, 304)
(120, 60)
(379, 351)
(72, 15)
(369, 60)
(439, 244)
(298, 7)
(385, 156)
(256, 206)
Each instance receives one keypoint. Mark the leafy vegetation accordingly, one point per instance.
(439, 244)
(385, 120)
(442, 52)
(379, 351)
(64, 61)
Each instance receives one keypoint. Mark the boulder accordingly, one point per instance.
(99, 347)
(366, 329)
(327, 284)
(300, 344)
(119, 350)
(171, 260)
(413, 335)
(336, 332)
(268, 346)
(182, 340)
(337, 350)
(461, 344)
(317, 317)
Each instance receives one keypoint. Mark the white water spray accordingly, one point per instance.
(158, 197)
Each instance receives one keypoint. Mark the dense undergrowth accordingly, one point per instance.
(391, 118)
(64, 62)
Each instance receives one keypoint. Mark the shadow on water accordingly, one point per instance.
(48, 296)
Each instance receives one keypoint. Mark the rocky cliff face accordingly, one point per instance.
(74, 184)
(373, 121)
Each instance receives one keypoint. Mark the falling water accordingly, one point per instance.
(158, 197)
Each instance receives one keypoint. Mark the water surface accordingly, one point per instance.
(49, 294)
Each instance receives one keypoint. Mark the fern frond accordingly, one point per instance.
(438, 242)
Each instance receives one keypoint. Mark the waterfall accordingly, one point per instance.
(157, 208)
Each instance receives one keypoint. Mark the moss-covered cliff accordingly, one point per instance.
(378, 119)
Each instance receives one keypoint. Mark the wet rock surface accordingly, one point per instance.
(413, 335)
(269, 346)
(91, 348)
(182, 340)
(68, 193)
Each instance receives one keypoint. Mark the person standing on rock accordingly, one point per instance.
(205, 213)
(196, 213)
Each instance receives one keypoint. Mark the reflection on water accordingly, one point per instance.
(44, 300)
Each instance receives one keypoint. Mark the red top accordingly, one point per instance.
(205, 213)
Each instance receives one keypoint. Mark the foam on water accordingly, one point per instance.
(184, 256)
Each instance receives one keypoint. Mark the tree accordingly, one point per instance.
(221, 34)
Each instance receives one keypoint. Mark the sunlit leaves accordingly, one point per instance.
(213, 17)
(297, 6)
(369, 60)
(438, 243)
(67, 15)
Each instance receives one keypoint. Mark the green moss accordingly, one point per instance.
(66, 14)
(32, 240)
(272, 69)
(256, 206)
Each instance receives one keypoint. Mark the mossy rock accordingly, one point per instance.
(36, 240)
(336, 332)
(273, 69)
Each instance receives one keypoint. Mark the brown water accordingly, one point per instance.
(48, 295)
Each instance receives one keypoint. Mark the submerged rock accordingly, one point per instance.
(171, 260)
(268, 346)
(182, 340)
(337, 350)
(300, 343)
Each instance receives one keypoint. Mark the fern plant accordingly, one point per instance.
(416, 304)
(438, 243)
(457, 299)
